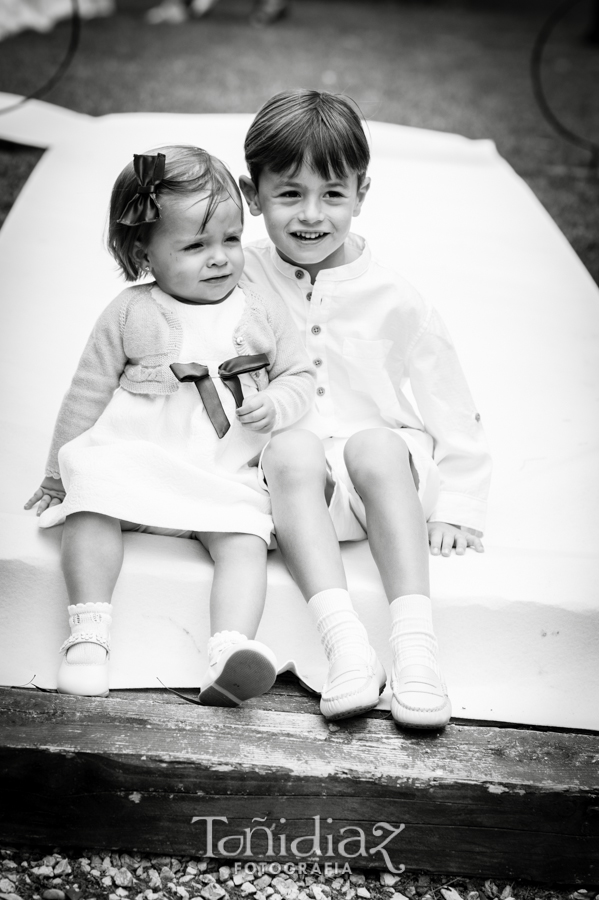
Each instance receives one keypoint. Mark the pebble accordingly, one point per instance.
(53, 894)
(123, 877)
(6, 886)
(213, 892)
(62, 867)
(363, 892)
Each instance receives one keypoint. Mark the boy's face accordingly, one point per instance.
(308, 217)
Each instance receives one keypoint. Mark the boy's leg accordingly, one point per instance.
(239, 667)
(91, 559)
(378, 462)
(294, 466)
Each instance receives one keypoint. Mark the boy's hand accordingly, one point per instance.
(257, 413)
(444, 537)
(49, 493)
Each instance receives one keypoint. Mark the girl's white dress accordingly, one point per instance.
(156, 460)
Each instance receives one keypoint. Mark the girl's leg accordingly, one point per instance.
(295, 470)
(239, 667)
(239, 583)
(378, 462)
(91, 559)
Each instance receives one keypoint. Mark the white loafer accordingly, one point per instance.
(419, 698)
(352, 686)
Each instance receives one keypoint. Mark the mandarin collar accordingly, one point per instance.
(338, 273)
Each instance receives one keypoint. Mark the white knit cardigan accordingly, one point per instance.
(136, 338)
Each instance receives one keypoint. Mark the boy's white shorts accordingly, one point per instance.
(346, 506)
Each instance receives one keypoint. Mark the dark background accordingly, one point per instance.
(461, 67)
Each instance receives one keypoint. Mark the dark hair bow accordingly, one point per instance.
(143, 207)
(229, 372)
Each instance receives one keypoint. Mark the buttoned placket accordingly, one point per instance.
(317, 303)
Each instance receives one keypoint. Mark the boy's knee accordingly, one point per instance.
(376, 453)
(294, 456)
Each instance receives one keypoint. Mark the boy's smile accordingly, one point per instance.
(308, 217)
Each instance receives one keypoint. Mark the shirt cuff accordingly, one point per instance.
(460, 509)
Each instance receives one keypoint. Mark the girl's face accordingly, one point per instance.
(200, 265)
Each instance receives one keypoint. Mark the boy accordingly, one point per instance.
(363, 462)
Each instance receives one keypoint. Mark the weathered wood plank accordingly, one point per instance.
(134, 772)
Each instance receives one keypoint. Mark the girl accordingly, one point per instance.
(174, 398)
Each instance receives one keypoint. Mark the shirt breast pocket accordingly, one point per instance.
(364, 362)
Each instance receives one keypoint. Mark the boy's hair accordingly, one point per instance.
(321, 129)
(187, 170)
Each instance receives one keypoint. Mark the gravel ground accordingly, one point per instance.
(35, 874)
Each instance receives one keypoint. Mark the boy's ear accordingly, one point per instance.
(362, 191)
(250, 192)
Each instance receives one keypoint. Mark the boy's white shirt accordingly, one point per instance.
(369, 332)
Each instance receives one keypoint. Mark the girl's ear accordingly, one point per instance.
(362, 191)
(140, 255)
(250, 192)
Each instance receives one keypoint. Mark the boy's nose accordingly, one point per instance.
(311, 211)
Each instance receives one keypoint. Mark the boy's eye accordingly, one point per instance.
(289, 193)
(334, 194)
(197, 246)
(233, 239)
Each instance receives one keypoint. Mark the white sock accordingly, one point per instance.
(338, 625)
(413, 640)
(94, 618)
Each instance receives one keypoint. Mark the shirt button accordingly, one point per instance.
(309, 295)
(320, 392)
(316, 329)
(317, 362)
(299, 273)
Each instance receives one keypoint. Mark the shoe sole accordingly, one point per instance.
(246, 674)
(355, 710)
(401, 715)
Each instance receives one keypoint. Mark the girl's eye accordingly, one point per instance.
(197, 246)
(233, 239)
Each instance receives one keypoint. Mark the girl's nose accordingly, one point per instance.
(218, 257)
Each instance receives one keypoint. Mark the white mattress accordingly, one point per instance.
(519, 625)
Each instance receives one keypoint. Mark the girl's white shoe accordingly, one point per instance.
(84, 667)
(238, 670)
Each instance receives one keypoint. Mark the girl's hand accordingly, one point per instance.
(257, 413)
(49, 493)
(444, 537)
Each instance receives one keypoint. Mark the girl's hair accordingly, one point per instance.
(324, 130)
(187, 170)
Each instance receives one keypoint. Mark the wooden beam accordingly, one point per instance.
(145, 772)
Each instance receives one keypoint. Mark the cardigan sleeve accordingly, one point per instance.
(451, 418)
(94, 382)
(292, 386)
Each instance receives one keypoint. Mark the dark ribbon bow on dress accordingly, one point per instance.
(143, 207)
(229, 372)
